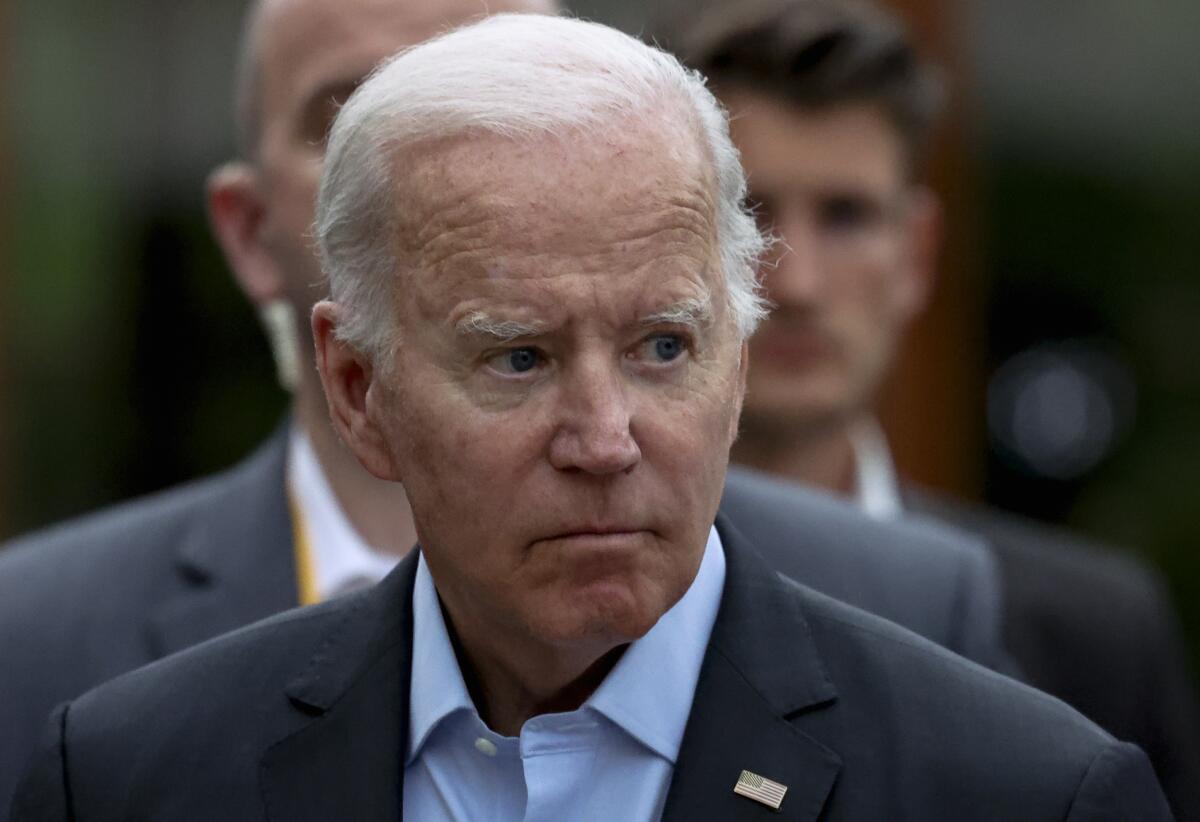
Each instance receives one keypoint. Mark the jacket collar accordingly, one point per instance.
(234, 559)
(344, 759)
(762, 668)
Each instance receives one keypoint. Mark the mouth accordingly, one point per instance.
(601, 535)
(601, 531)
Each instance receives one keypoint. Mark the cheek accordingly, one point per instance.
(688, 435)
(461, 464)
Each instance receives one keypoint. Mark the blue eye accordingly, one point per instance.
(664, 347)
(522, 359)
(516, 360)
(667, 347)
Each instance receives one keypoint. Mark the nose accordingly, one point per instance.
(796, 280)
(595, 434)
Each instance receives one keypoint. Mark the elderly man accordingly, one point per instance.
(831, 109)
(574, 640)
(301, 521)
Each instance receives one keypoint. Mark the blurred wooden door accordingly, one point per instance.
(933, 408)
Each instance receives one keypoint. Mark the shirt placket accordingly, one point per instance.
(558, 754)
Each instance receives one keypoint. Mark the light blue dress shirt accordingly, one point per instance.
(611, 759)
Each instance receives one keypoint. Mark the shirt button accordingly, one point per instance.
(485, 746)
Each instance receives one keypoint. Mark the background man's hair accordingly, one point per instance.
(815, 53)
(520, 77)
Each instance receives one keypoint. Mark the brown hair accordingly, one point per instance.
(817, 54)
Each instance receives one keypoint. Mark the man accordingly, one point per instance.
(831, 112)
(300, 520)
(574, 640)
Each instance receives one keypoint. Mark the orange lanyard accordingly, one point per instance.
(306, 583)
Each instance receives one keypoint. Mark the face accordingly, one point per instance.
(561, 403)
(851, 266)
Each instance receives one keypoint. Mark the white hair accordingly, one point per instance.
(517, 76)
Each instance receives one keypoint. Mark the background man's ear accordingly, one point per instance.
(236, 212)
(924, 237)
(349, 379)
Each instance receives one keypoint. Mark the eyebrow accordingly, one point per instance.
(481, 324)
(694, 312)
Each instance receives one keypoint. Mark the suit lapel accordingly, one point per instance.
(762, 668)
(235, 559)
(343, 758)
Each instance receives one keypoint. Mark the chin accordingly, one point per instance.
(604, 613)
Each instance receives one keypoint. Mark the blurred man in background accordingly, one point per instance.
(300, 521)
(831, 111)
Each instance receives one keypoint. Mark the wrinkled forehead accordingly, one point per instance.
(572, 193)
(629, 211)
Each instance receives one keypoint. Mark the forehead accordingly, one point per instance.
(845, 145)
(304, 46)
(481, 214)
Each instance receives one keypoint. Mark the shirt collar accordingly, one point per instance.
(436, 685)
(644, 694)
(340, 558)
(876, 489)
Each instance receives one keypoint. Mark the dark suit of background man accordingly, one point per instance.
(575, 638)
(300, 520)
(831, 112)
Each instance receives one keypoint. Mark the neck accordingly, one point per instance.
(513, 677)
(821, 457)
(378, 510)
(508, 694)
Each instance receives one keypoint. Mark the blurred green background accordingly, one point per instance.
(130, 362)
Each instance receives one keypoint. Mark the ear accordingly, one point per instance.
(923, 239)
(348, 377)
(236, 212)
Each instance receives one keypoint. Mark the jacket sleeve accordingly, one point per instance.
(43, 794)
(1119, 786)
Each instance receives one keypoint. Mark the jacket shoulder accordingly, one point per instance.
(772, 512)
(1021, 543)
(126, 546)
(937, 581)
(127, 525)
(936, 730)
(183, 734)
(103, 556)
(864, 653)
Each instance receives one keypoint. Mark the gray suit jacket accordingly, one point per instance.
(86, 601)
(304, 717)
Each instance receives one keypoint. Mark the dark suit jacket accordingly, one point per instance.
(84, 602)
(1095, 629)
(304, 717)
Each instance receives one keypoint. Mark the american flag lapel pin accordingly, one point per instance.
(760, 789)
